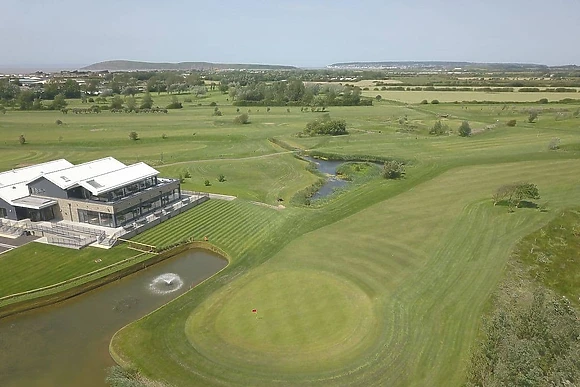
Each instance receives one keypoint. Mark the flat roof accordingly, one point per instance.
(34, 202)
(115, 179)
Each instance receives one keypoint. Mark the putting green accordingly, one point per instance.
(320, 324)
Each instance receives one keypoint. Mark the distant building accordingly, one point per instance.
(103, 192)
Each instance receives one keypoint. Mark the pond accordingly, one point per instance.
(67, 344)
(328, 167)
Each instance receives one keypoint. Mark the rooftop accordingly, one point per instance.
(26, 174)
(118, 178)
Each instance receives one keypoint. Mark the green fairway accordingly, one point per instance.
(452, 96)
(383, 283)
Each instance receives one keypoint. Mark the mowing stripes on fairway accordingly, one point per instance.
(231, 225)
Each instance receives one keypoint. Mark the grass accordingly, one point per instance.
(385, 283)
(37, 265)
(452, 96)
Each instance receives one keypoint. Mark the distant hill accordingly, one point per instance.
(129, 65)
(438, 65)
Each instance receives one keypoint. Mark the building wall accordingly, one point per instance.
(10, 210)
(44, 187)
(68, 208)
(154, 192)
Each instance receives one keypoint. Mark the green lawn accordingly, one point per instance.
(382, 284)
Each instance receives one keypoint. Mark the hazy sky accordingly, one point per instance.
(309, 33)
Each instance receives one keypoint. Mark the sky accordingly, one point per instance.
(304, 33)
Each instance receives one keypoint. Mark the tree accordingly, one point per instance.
(175, 104)
(438, 129)
(465, 129)
(59, 102)
(129, 90)
(554, 144)
(514, 194)
(133, 136)
(242, 119)
(393, 169)
(379, 97)
(511, 123)
(21, 139)
(117, 102)
(532, 117)
(131, 103)
(147, 101)
(25, 100)
(221, 178)
(71, 89)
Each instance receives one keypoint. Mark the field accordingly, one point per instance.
(383, 284)
(452, 96)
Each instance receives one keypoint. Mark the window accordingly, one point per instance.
(3, 213)
(37, 191)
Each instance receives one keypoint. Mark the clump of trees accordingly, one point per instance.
(439, 129)
(464, 129)
(515, 195)
(393, 169)
(325, 126)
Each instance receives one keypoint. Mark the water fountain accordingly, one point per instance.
(165, 283)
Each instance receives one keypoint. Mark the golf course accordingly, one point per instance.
(383, 282)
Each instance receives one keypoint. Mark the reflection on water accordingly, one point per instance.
(67, 344)
(327, 167)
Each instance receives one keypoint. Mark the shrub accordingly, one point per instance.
(206, 183)
(532, 117)
(213, 103)
(58, 122)
(242, 119)
(393, 169)
(326, 126)
(511, 123)
(133, 136)
(21, 139)
(435, 102)
(91, 100)
(554, 144)
(424, 102)
(465, 129)
(379, 97)
(439, 129)
(164, 136)
(221, 178)
(543, 101)
(187, 174)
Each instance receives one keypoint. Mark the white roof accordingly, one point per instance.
(72, 175)
(26, 174)
(12, 192)
(119, 178)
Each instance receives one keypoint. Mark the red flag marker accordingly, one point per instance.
(254, 310)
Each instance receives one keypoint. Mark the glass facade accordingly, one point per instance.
(115, 195)
(131, 214)
(96, 218)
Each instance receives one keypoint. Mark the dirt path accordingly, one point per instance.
(227, 159)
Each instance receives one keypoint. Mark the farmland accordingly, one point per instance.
(383, 283)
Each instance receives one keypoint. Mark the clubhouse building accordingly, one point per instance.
(104, 193)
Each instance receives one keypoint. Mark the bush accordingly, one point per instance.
(554, 144)
(326, 126)
(439, 129)
(206, 183)
(164, 136)
(21, 139)
(221, 178)
(213, 103)
(58, 122)
(532, 117)
(242, 119)
(511, 123)
(543, 101)
(393, 169)
(465, 129)
(133, 136)
(424, 102)
(435, 102)
(187, 174)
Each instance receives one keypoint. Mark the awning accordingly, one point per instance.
(34, 202)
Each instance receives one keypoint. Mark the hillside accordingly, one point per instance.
(129, 65)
